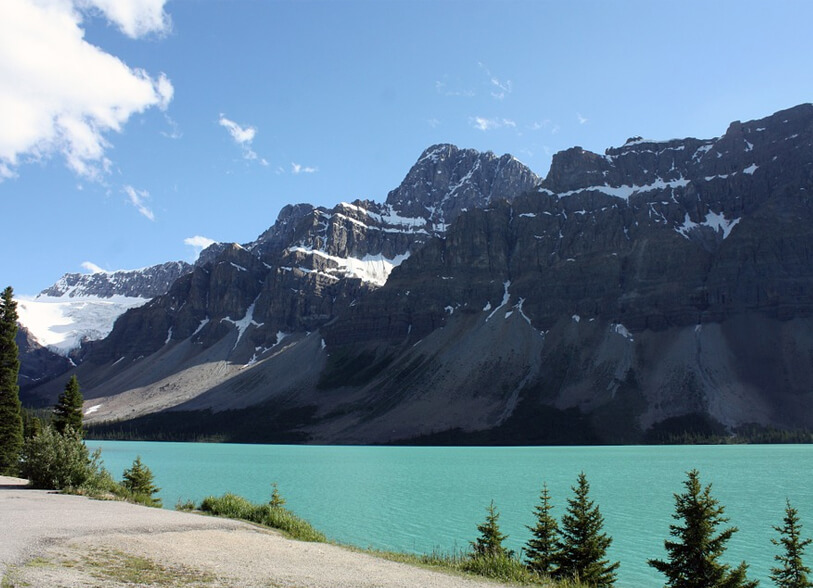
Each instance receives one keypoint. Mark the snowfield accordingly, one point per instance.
(61, 323)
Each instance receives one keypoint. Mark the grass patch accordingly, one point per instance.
(106, 564)
(276, 517)
(505, 569)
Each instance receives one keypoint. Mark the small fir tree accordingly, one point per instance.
(11, 422)
(693, 558)
(138, 481)
(583, 545)
(68, 409)
(791, 573)
(542, 549)
(276, 500)
(32, 425)
(489, 543)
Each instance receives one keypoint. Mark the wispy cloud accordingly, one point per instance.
(198, 243)
(433, 122)
(489, 124)
(499, 88)
(443, 88)
(61, 94)
(138, 199)
(580, 118)
(92, 268)
(297, 169)
(175, 130)
(243, 136)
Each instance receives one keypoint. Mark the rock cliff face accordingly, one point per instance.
(657, 287)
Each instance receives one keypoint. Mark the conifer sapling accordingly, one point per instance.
(583, 545)
(542, 548)
(792, 572)
(489, 543)
(693, 557)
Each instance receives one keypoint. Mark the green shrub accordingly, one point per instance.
(185, 505)
(60, 461)
(236, 507)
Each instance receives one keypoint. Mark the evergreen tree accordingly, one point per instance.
(583, 545)
(11, 422)
(792, 572)
(68, 409)
(693, 559)
(276, 500)
(138, 481)
(32, 425)
(489, 543)
(542, 548)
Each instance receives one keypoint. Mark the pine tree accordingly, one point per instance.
(489, 543)
(693, 559)
(792, 572)
(542, 548)
(138, 481)
(11, 422)
(68, 409)
(583, 545)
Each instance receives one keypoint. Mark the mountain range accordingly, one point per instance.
(658, 288)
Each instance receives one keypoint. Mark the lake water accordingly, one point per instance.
(419, 499)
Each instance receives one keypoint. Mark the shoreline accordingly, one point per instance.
(57, 539)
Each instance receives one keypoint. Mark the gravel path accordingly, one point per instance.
(58, 540)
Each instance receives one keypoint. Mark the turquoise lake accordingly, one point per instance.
(420, 499)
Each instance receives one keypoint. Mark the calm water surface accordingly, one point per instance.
(423, 498)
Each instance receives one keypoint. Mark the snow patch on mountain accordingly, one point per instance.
(374, 269)
(626, 191)
(714, 220)
(62, 323)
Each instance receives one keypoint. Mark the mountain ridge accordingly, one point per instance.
(513, 301)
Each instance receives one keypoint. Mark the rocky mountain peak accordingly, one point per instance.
(447, 180)
(140, 283)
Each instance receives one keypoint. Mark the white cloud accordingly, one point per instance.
(433, 122)
(484, 124)
(297, 169)
(92, 268)
(580, 118)
(243, 136)
(62, 95)
(489, 124)
(137, 199)
(135, 18)
(198, 243)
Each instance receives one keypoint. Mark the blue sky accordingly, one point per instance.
(129, 128)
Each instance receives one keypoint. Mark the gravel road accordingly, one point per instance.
(49, 539)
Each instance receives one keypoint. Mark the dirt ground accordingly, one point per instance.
(56, 540)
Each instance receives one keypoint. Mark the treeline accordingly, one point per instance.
(573, 551)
